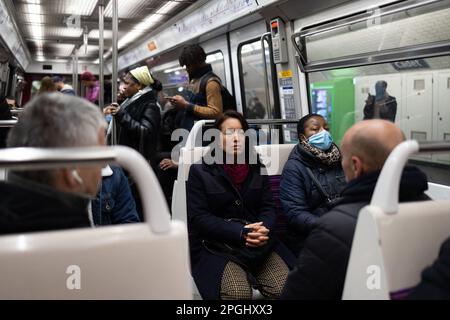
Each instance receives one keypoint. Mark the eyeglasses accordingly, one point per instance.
(230, 132)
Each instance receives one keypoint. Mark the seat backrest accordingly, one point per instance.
(188, 157)
(394, 242)
(438, 191)
(136, 261)
(120, 262)
(389, 252)
(274, 156)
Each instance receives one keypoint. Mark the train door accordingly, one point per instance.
(419, 97)
(443, 112)
(218, 56)
(255, 81)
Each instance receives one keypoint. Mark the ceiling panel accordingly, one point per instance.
(42, 23)
(69, 7)
(55, 32)
(131, 9)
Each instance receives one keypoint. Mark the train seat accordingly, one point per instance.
(136, 261)
(394, 242)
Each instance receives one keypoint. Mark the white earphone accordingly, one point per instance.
(77, 177)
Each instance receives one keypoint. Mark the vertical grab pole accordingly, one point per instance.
(266, 78)
(266, 75)
(75, 71)
(101, 26)
(115, 35)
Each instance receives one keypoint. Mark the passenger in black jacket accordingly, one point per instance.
(322, 264)
(5, 114)
(138, 117)
(218, 195)
(381, 105)
(435, 284)
(53, 199)
(304, 199)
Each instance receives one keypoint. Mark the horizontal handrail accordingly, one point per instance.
(15, 112)
(155, 207)
(366, 15)
(198, 126)
(7, 123)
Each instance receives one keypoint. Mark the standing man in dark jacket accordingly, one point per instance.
(322, 264)
(382, 105)
(197, 104)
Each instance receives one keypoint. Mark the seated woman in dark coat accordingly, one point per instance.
(232, 204)
(312, 174)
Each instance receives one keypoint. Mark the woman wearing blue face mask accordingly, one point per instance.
(312, 179)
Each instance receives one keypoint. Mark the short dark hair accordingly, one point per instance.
(87, 76)
(57, 79)
(231, 114)
(193, 54)
(302, 122)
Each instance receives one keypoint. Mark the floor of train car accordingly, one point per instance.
(436, 173)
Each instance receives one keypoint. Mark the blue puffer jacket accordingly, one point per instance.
(117, 203)
(302, 202)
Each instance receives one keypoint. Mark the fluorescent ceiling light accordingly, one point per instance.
(33, 18)
(34, 11)
(126, 9)
(165, 9)
(174, 69)
(94, 34)
(139, 30)
(72, 7)
(57, 32)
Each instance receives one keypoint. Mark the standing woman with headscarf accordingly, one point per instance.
(138, 117)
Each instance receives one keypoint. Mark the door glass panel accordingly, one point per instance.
(415, 98)
(254, 93)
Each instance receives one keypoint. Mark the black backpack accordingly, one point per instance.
(228, 101)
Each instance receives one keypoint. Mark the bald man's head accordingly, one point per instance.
(366, 146)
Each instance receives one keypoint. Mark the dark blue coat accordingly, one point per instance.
(115, 203)
(212, 198)
(302, 202)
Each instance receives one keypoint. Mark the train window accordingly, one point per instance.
(377, 36)
(175, 79)
(391, 64)
(255, 95)
(416, 99)
(218, 64)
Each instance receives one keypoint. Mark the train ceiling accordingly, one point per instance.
(52, 29)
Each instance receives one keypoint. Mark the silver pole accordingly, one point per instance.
(101, 10)
(75, 71)
(266, 76)
(115, 35)
(114, 76)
